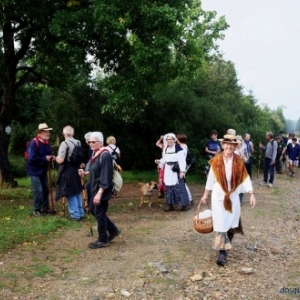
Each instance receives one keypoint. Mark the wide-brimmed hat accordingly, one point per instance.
(43, 126)
(230, 137)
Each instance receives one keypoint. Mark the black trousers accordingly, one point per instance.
(105, 225)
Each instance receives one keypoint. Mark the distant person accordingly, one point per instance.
(212, 148)
(161, 144)
(248, 148)
(113, 149)
(69, 182)
(182, 139)
(176, 193)
(270, 159)
(39, 156)
(293, 154)
(280, 154)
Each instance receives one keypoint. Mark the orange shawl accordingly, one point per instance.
(239, 174)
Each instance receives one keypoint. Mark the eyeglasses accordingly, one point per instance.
(170, 139)
(93, 142)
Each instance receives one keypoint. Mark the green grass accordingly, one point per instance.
(146, 176)
(18, 225)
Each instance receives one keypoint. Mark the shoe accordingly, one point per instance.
(278, 172)
(97, 244)
(222, 259)
(76, 220)
(263, 183)
(47, 211)
(292, 175)
(111, 236)
(270, 185)
(38, 213)
(169, 208)
(183, 208)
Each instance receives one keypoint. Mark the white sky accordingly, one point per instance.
(263, 42)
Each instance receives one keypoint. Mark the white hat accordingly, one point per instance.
(43, 126)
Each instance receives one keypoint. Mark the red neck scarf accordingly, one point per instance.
(98, 153)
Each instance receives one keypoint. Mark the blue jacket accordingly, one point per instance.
(37, 163)
(293, 151)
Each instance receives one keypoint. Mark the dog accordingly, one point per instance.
(147, 190)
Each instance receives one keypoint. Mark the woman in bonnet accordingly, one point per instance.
(226, 179)
(175, 185)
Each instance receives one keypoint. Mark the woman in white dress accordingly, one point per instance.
(176, 192)
(227, 178)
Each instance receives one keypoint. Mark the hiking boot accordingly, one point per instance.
(169, 208)
(97, 244)
(38, 213)
(183, 208)
(114, 234)
(270, 185)
(222, 259)
(263, 183)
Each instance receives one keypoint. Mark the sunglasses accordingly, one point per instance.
(93, 142)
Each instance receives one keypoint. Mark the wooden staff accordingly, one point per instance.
(86, 204)
(50, 187)
(259, 160)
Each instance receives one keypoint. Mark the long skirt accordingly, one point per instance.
(177, 194)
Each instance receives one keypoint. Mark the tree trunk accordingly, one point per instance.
(6, 175)
(7, 102)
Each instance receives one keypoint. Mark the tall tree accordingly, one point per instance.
(136, 43)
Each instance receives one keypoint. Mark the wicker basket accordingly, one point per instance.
(204, 225)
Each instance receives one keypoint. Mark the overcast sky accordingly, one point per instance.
(263, 42)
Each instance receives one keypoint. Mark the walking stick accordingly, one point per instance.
(64, 206)
(259, 160)
(86, 204)
(50, 187)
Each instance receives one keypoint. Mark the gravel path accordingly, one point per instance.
(160, 256)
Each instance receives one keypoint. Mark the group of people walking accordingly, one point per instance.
(69, 184)
(229, 175)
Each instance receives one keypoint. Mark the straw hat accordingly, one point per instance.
(230, 137)
(43, 126)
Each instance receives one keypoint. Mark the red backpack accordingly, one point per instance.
(27, 144)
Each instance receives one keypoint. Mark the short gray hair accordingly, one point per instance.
(97, 135)
(68, 130)
(87, 135)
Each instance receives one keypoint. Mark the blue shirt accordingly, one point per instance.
(212, 145)
(37, 163)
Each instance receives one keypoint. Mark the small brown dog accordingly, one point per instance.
(146, 190)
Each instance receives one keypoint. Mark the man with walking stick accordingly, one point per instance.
(39, 155)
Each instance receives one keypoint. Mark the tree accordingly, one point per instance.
(136, 44)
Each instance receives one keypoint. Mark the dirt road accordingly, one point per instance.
(160, 256)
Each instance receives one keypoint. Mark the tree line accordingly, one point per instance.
(135, 70)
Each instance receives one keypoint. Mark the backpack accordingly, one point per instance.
(27, 145)
(116, 178)
(114, 154)
(77, 155)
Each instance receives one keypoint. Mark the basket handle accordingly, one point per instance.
(198, 208)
